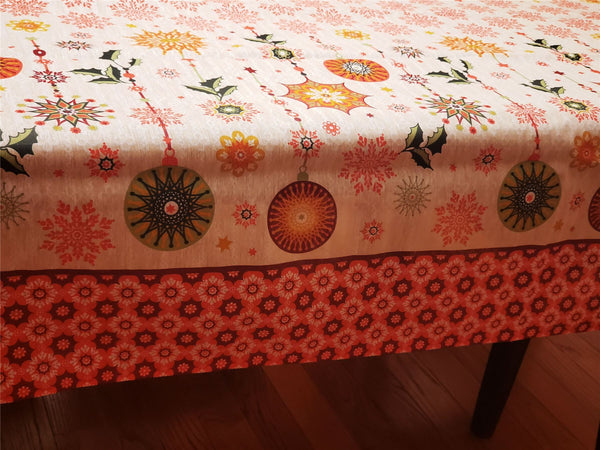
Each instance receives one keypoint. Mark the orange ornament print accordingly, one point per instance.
(357, 69)
(9, 67)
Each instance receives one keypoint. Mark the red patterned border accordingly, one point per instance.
(65, 329)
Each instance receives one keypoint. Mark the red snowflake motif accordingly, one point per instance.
(197, 23)
(333, 17)
(557, 31)
(76, 233)
(166, 72)
(487, 160)
(331, 128)
(459, 219)
(369, 164)
(237, 13)
(297, 26)
(48, 76)
(278, 10)
(104, 162)
(156, 116)
(85, 21)
(245, 214)
(369, 13)
(24, 7)
(582, 109)
(306, 144)
(135, 10)
(577, 200)
(372, 231)
(74, 3)
(527, 113)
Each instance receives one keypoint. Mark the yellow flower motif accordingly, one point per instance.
(468, 44)
(586, 152)
(352, 34)
(31, 26)
(173, 40)
(596, 35)
(239, 153)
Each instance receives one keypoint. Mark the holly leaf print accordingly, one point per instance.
(111, 55)
(91, 72)
(437, 140)
(415, 137)
(22, 144)
(421, 155)
(10, 163)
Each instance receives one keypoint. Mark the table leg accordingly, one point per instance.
(500, 373)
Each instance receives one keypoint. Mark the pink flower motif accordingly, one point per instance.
(333, 17)
(85, 290)
(289, 284)
(323, 280)
(41, 329)
(236, 13)
(39, 292)
(212, 289)
(527, 113)
(86, 360)
(357, 276)
(165, 72)
(134, 10)
(487, 160)
(24, 7)
(156, 116)
(171, 291)
(306, 144)
(197, 23)
(372, 231)
(76, 233)
(43, 367)
(245, 214)
(104, 162)
(369, 164)
(252, 288)
(127, 291)
(124, 356)
(331, 128)
(85, 21)
(459, 218)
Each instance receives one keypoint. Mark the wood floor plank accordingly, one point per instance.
(306, 404)
(274, 425)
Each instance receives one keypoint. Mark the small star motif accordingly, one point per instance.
(252, 252)
(224, 243)
(386, 89)
(249, 70)
(370, 115)
(59, 173)
(452, 167)
(558, 225)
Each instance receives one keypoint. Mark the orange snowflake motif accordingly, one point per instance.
(582, 109)
(336, 96)
(467, 44)
(173, 40)
(239, 153)
(372, 231)
(31, 26)
(586, 152)
(104, 162)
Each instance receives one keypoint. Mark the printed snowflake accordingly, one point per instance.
(237, 13)
(372, 231)
(173, 40)
(245, 214)
(230, 110)
(487, 160)
(459, 219)
(156, 116)
(577, 200)
(527, 113)
(135, 10)
(582, 109)
(197, 23)
(73, 45)
(48, 76)
(467, 44)
(412, 197)
(12, 206)
(104, 162)
(23, 7)
(306, 144)
(72, 112)
(369, 164)
(85, 21)
(75, 233)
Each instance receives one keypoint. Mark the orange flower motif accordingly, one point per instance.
(31, 26)
(173, 40)
(586, 152)
(467, 44)
(239, 153)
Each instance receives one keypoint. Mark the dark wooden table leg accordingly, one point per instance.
(500, 373)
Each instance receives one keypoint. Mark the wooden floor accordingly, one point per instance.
(412, 401)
